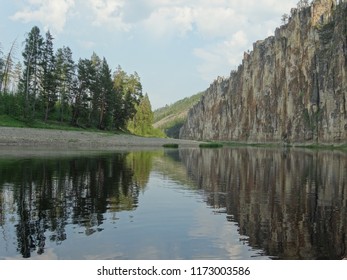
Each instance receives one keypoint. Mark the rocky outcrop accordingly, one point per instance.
(292, 87)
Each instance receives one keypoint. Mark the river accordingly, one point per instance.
(189, 203)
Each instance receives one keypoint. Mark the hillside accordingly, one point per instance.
(291, 88)
(171, 117)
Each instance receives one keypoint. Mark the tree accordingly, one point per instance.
(80, 97)
(106, 94)
(142, 121)
(133, 94)
(284, 18)
(31, 80)
(65, 73)
(94, 89)
(119, 80)
(129, 91)
(48, 80)
(7, 65)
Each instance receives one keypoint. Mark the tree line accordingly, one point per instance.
(49, 85)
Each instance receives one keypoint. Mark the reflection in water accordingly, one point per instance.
(47, 194)
(291, 204)
(285, 204)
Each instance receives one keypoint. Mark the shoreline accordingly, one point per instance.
(13, 138)
(31, 141)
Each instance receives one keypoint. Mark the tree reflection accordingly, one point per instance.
(50, 193)
(291, 204)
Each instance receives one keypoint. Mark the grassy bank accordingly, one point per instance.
(8, 121)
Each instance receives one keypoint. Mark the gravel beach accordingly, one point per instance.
(19, 139)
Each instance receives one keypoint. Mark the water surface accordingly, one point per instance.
(245, 203)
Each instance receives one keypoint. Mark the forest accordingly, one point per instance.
(48, 86)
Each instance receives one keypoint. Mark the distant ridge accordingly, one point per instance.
(171, 117)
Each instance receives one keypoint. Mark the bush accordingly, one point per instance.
(211, 145)
(172, 146)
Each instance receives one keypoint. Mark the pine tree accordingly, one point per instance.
(48, 80)
(141, 123)
(95, 89)
(119, 84)
(133, 94)
(129, 91)
(31, 80)
(65, 73)
(106, 100)
(80, 97)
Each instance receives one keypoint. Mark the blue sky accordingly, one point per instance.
(177, 47)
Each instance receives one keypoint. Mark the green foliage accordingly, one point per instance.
(172, 128)
(326, 32)
(211, 145)
(178, 107)
(6, 120)
(170, 118)
(141, 123)
(48, 95)
(64, 70)
(10, 104)
(52, 88)
(171, 146)
(31, 81)
(128, 90)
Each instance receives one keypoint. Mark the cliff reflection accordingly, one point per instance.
(44, 195)
(291, 204)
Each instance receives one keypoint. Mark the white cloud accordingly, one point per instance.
(109, 13)
(217, 21)
(216, 32)
(170, 21)
(218, 57)
(210, 19)
(224, 29)
(51, 13)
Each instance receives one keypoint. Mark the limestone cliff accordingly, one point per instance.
(292, 87)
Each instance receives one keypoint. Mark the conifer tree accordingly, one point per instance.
(141, 123)
(48, 80)
(106, 100)
(94, 89)
(129, 91)
(80, 98)
(65, 73)
(31, 80)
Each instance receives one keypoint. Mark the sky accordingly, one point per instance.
(178, 47)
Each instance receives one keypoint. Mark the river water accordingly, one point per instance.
(229, 203)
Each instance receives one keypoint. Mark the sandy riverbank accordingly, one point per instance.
(19, 138)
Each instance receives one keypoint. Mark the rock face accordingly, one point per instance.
(291, 88)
